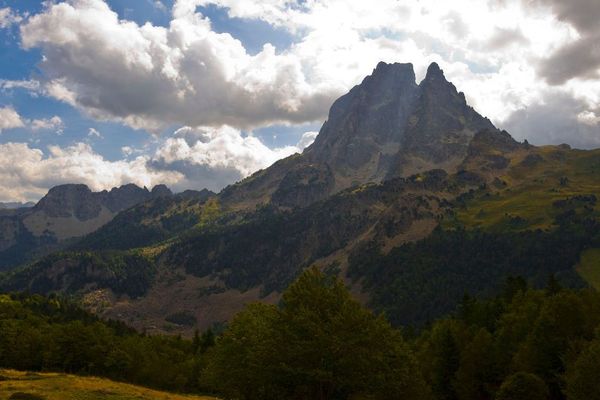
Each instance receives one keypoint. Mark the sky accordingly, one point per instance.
(199, 93)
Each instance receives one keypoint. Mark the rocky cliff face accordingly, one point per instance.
(386, 127)
(367, 126)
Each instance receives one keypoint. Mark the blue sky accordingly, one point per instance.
(200, 93)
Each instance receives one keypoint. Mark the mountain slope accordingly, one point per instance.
(64, 214)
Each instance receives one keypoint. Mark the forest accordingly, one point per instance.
(319, 343)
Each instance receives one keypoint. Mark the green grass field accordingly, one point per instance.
(17, 385)
(526, 202)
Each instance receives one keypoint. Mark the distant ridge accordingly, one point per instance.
(66, 212)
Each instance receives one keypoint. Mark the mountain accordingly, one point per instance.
(407, 193)
(15, 205)
(385, 127)
(66, 212)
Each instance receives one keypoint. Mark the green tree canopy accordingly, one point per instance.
(319, 344)
(523, 386)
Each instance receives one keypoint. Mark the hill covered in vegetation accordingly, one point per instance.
(319, 343)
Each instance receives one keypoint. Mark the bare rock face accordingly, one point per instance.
(440, 128)
(366, 127)
(66, 200)
(386, 127)
(305, 184)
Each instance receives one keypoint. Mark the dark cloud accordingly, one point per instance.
(197, 176)
(582, 14)
(580, 59)
(505, 37)
(555, 121)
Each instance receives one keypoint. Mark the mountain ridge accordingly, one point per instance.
(65, 213)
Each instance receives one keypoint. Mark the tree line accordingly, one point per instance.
(319, 343)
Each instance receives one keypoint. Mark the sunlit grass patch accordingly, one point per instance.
(55, 386)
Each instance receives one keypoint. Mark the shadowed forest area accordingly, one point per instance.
(319, 343)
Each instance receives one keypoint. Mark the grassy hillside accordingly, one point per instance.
(538, 187)
(53, 386)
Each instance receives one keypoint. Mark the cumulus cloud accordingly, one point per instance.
(583, 14)
(306, 140)
(93, 133)
(55, 124)
(150, 76)
(214, 157)
(27, 173)
(9, 119)
(8, 18)
(579, 59)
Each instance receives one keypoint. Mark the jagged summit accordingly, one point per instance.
(385, 127)
(434, 72)
(394, 71)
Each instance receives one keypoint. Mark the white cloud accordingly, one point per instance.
(93, 132)
(150, 76)
(9, 118)
(214, 157)
(30, 85)
(127, 150)
(8, 18)
(159, 5)
(55, 124)
(27, 173)
(307, 139)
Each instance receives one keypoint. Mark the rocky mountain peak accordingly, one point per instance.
(394, 73)
(161, 191)
(368, 122)
(79, 201)
(434, 72)
(388, 126)
(69, 199)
